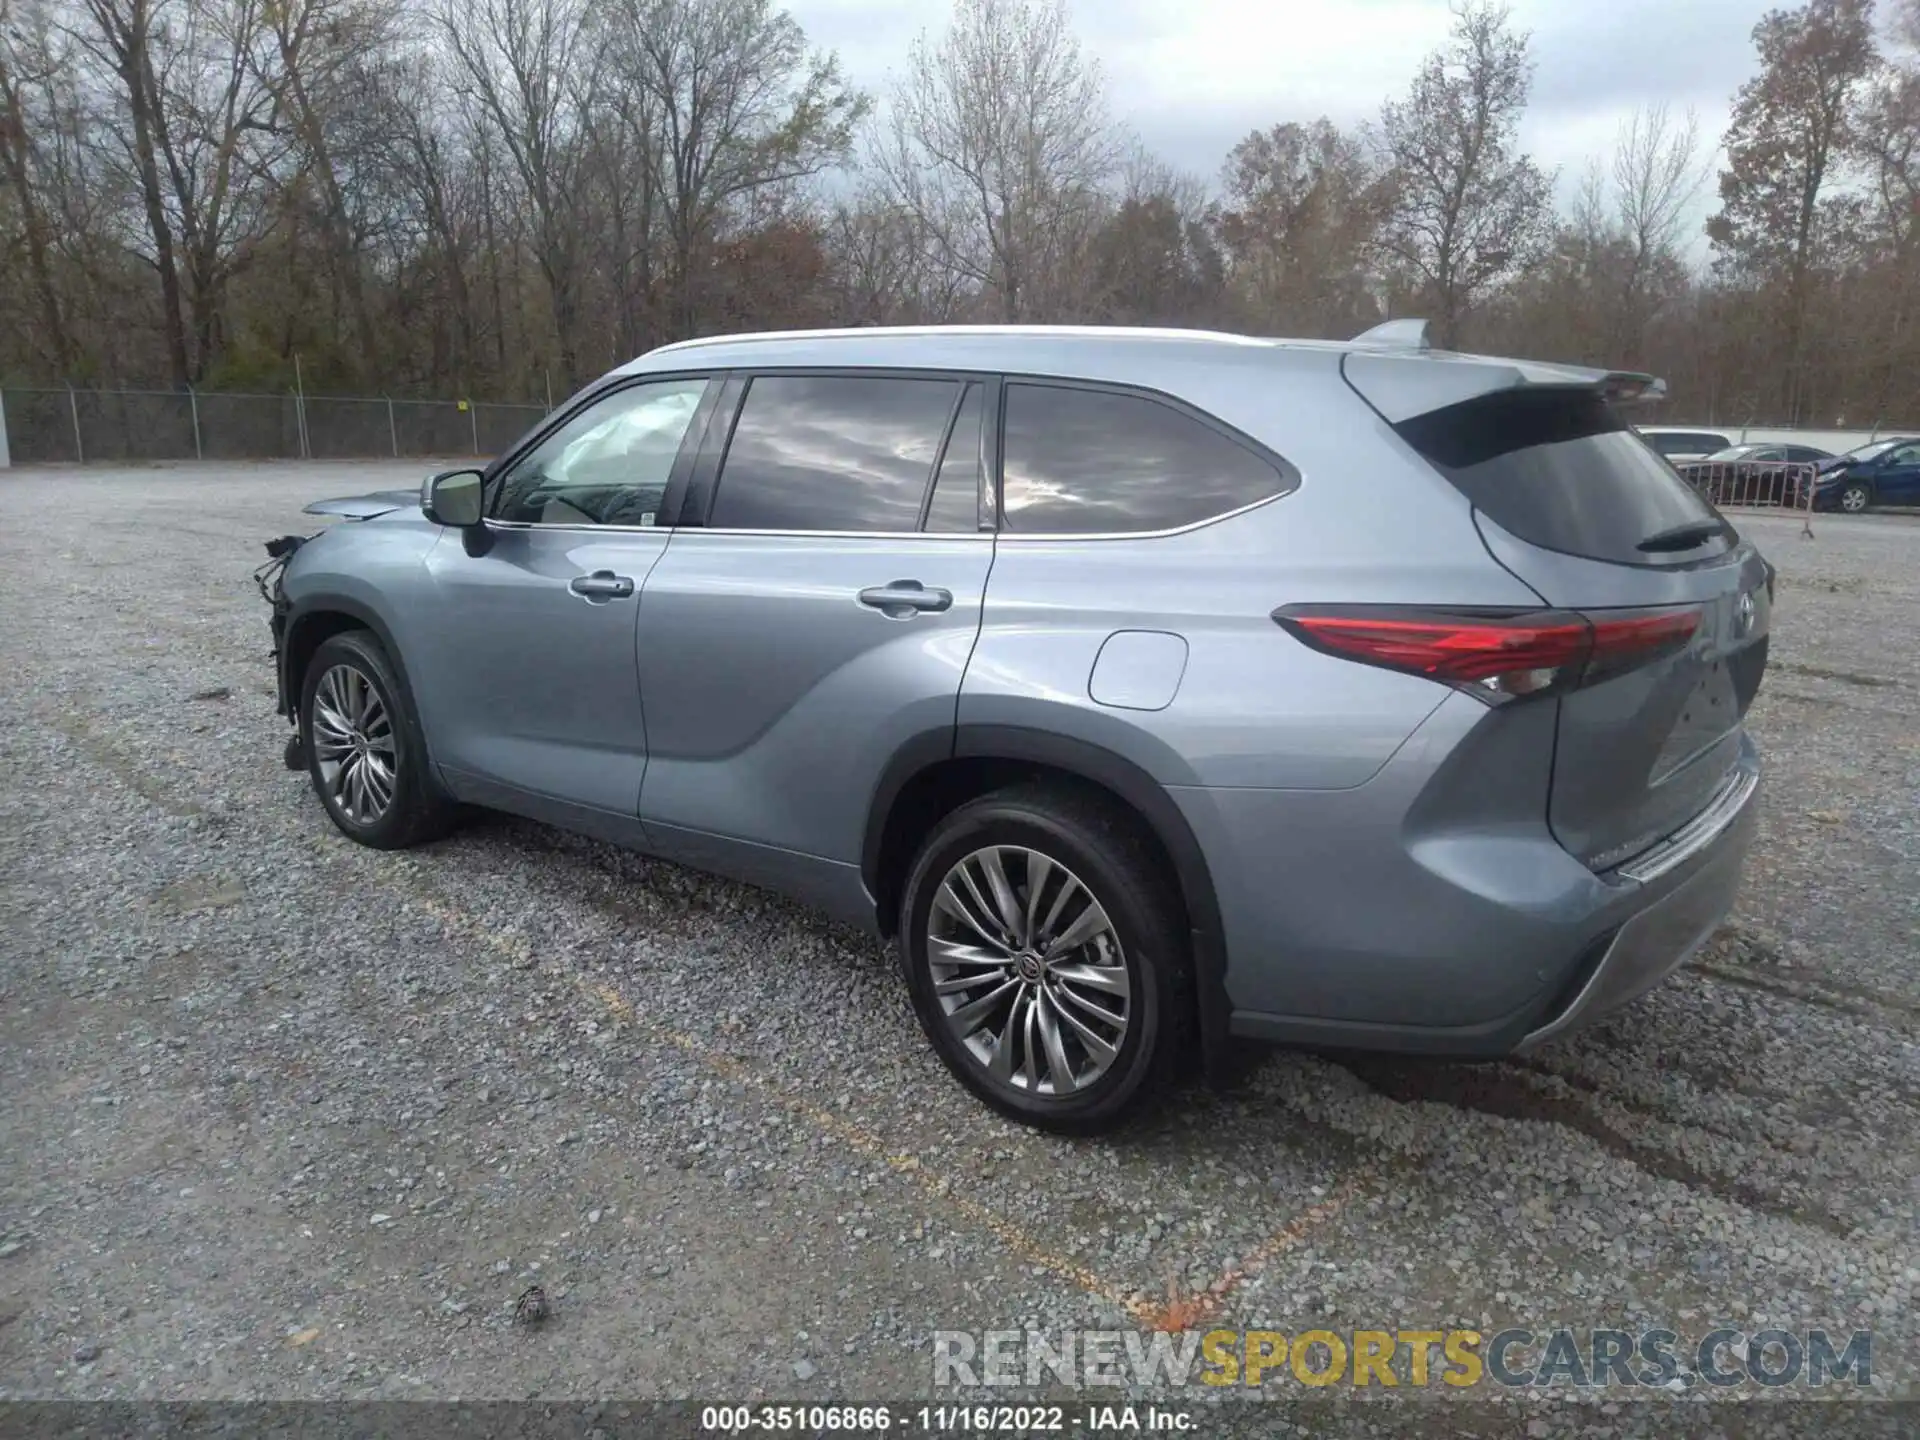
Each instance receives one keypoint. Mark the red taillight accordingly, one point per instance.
(1495, 655)
(1626, 642)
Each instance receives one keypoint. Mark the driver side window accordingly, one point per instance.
(608, 465)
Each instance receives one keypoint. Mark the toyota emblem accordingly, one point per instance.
(1744, 622)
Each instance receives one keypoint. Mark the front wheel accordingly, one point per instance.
(1855, 498)
(1046, 957)
(365, 754)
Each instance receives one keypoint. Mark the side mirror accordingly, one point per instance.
(453, 497)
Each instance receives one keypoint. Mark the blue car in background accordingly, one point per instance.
(1885, 472)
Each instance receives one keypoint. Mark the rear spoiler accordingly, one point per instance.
(1377, 366)
(1629, 387)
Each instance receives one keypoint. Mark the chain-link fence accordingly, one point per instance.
(71, 425)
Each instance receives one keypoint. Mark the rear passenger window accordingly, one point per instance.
(832, 452)
(1083, 461)
(955, 505)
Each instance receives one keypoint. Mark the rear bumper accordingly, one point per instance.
(1360, 920)
(1663, 937)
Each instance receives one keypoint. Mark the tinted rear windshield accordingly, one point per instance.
(1557, 468)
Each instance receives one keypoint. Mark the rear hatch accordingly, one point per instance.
(1579, 508)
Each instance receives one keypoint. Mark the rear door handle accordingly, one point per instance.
(901, 599)
(601, 585)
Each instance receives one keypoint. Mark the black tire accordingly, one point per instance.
(1103, 847)
(417, 811)
(1861, 496)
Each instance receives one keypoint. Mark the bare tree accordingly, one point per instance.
(433, 170)
(1791, 129)
(739, 108)
(31, 59)
(200, 148)
(531, 71)
(315, 49)
(626, 174)
(1155, 260)
(122, 37)
(1886, 147)
(469, 199)
(1468, 209)
(999, 144)
(1905, 23)
(886, 267)
(1657, 175)
(1301, 226)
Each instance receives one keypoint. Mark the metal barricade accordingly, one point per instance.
(1755, 485)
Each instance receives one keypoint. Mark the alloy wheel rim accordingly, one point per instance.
(1854, 500)
(353, 745)
(1028, 971)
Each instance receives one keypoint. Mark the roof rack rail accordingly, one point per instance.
(1407, 334)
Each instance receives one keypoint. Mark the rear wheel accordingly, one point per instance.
(1046, 957)
(364, 750)
(1855, 498)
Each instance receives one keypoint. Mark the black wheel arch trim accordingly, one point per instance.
(369, 618)
(365, 615)
(1115, 773)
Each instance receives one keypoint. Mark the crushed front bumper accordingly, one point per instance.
(269, 579)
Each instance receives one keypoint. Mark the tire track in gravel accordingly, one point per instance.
(1497, 1091)
(1512, 1093)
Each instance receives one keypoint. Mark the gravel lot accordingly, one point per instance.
(285, 1118)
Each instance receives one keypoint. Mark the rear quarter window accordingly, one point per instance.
(1084, 461)
(1557, 467)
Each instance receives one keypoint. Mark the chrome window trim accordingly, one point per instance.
(1285, 469)
(992, 458)
(970, 535)
(710, 530)
(1002, 535)
(493, 524)
(1028, 537)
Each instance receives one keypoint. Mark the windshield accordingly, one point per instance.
(1734, 452)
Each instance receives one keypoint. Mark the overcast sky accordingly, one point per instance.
(1191, 77)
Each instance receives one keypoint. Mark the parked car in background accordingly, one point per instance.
(1146, 687)
(1756, 474)
(1770, 454)
(1885, 472)
(1678, 445)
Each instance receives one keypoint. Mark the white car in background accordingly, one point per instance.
(1680, 445)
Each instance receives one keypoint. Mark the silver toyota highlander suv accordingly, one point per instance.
(1149, 688)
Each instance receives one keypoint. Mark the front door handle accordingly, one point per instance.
(902, 599)
(601, 585)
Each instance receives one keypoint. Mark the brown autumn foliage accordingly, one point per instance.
(487, 197)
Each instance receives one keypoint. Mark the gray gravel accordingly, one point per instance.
(286, 1118)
